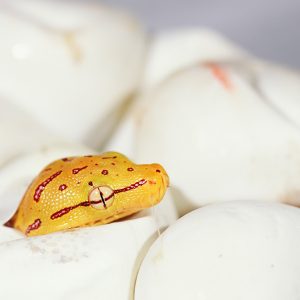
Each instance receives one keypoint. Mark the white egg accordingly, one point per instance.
(281, 87)
(172, 50)
(169, 52)
(87, 263)
(21, 133)
(230, 251)
(69, 64)
(219, 138)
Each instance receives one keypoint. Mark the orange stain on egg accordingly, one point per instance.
(220, 75)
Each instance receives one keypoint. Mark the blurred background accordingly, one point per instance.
(267, 28)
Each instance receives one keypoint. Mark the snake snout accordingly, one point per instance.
(162, 172)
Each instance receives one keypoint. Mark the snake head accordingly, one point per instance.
(88, 190)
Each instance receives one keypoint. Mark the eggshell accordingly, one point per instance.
(87, 263)
(230, 251)
(218, 138)
(281, 87)
(69, 64)
(123, 138)
(21, 133)
(173, 50)
(169, 51)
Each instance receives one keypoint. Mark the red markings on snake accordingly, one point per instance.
(104, 172)
(131, 187)
(67, 159)
(108, 157)
(77, 170)
(35, 225)
(40, 188)
(62, 187)
(130, 169)
(66, 210)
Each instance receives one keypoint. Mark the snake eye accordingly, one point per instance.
(101, 197)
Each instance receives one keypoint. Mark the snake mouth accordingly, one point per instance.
(157, 195)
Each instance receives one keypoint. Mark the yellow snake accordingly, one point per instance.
(88, 190)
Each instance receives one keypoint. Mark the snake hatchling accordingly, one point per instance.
(88, 190)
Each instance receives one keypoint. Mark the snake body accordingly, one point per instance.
(88, 190)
